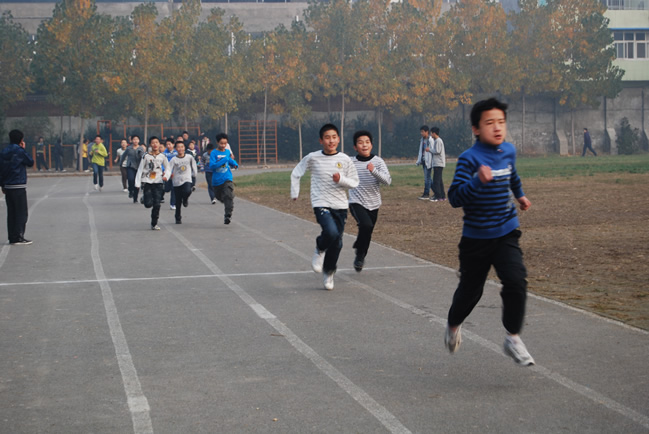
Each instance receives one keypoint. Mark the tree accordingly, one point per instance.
(74, 58)
(14, 67)
(584, 42)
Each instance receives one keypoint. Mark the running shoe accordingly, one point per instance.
(453, 339)
(328, 280)
(318, 260)
(155, 227)
(515, 348)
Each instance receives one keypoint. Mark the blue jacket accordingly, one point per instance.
(489, 209)
(220, 163)
(13, 163)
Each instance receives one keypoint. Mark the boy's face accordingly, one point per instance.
(123, 144)
(180, 148)
(330, 141)
(222, 144)
(155, 145)
(424, 133)
(136, 141)
(492, 128)
(363, 146)
(192, 145)
(97, 140)
(170, 146)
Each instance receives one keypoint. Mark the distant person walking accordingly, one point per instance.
(588, 145)
(486, 185)
(132, 157)
(40, 155)
(14, 161)
(58, 156)
(98, 156)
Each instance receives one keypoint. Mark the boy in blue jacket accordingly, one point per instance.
(487, 187)
(13, 179)
(220, 162)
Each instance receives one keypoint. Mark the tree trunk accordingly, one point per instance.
(380, 122)
(264, 128)
(572, 128)
(226, 124)
(299, 132)
(523, 122)
(342, 124)
(146, 118)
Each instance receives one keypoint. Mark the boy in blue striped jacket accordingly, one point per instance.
(487, 187)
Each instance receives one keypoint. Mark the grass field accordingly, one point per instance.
(585, 239)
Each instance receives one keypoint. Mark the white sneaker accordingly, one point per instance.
(515, 348)
(213, 201)
(328, 280)
(453, 339)
(318, 260)
(125, 190)
(96, 187)
(172, 206)
(155, 227)
(100, 188)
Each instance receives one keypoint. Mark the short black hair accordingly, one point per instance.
(134, 136)
(98, 136)
(423, 128)
(362, 133)
(16, 137)
(483, 106)
(152, 138)
(221, 136)
(434, 130)
(328, 127)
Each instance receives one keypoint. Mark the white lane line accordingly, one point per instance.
(199, 276)
(5, 249)
(586, 392)
(138, 405)
(387, 419)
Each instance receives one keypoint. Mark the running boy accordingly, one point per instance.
(485, 186)
(365, 200)
(170, 152)
(220, 163)
(183, 175)
(332, 172)
(152, 173)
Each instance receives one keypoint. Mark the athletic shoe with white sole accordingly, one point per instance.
(328, 280)
(318, 260)
(453, 338)
(515, 348)
(155, 227)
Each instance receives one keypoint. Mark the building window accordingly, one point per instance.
(631, 45)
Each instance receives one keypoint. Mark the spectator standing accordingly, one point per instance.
(58, 156)
(14, 161)
(40, 155)
(439, 162)
(425, 159)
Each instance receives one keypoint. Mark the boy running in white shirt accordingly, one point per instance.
(153, 172)
(183, 175)
(332, 172)
(365, 200)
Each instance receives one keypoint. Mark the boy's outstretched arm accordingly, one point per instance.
(296, 175)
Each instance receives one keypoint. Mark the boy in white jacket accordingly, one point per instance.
(332, 173)
(153, 172)
(183, 174)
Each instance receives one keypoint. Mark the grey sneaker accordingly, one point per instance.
(318, 260)
(422, 197)
(515, 348)
(453, 339)
(155, 227)
(328, 280)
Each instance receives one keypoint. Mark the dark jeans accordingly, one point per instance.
(427, 180)
(16, 200)
(124, 173)
(330, 239)
(366, 220)
(586, 147)
(58, 162)
(169, 187)
(152, 194)
(476, 258)
(132, 189)
(438, 183)
(224, 193)
(97, 174)
(182, 194)
(40, 161)
(208, 178)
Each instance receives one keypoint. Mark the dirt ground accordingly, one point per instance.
(585, 239)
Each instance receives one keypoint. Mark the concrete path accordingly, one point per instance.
(109, 327)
